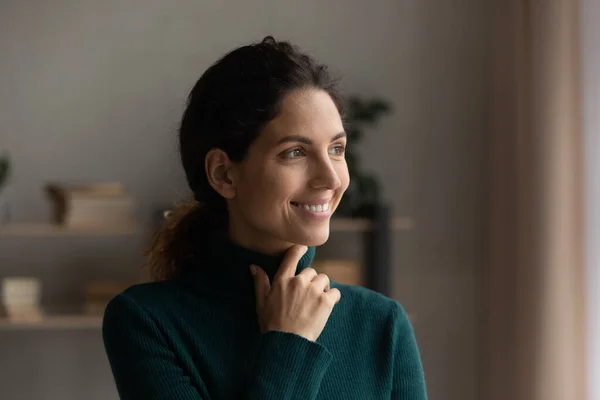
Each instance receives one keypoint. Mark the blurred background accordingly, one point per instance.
(488, 158)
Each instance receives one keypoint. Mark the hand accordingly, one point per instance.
(299, 304)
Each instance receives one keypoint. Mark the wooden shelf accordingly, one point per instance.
(67, 322)
(40, 229)
(57, 322)
(365, 224)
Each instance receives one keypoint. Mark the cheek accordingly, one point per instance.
(280, 188)
(269, 189)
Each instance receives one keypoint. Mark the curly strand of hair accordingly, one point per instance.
(165, 253)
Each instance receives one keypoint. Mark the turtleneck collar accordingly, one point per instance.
(223, 267)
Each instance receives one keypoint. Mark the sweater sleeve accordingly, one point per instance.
(288, 367)
(408, 377)
(144, 366)
(142, 363)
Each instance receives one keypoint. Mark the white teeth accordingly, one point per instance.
(314, 208)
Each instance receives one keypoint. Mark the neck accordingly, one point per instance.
(223, 266)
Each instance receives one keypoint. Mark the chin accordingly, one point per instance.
(317, 237)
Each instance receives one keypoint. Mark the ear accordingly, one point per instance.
(219, 171)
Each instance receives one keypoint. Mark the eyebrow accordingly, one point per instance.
(305, 140)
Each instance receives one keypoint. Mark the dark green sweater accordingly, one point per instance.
(198, 338)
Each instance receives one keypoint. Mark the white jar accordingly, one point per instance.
(21, 297)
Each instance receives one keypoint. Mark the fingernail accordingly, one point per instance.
(253, 270)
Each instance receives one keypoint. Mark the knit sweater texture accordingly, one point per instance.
(197, 337)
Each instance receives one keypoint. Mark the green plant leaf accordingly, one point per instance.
(364, 190)
(354, 134)
(4, 170)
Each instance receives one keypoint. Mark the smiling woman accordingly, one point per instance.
(236, 311)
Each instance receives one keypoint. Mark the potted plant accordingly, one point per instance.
(4, 175)
(363, 194)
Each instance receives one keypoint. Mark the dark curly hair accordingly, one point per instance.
(227, 108)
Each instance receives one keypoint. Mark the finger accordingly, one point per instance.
(321, 281)
(288, 266)
(334, 295)
(308, 274)
(262, 286)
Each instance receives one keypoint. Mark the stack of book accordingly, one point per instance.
(99, 205)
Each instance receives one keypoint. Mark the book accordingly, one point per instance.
(99, 205)
(342, 271)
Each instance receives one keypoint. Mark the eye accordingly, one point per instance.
(338, 150)
(294, 153)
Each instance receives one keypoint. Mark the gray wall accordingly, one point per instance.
(590, 31)
(94, 90)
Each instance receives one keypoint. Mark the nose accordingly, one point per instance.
(324, 175)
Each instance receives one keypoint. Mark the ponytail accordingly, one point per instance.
(181, 237)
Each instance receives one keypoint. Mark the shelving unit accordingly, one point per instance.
(61, 319)
(376, 232)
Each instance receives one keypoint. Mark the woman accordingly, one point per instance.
(236, 312)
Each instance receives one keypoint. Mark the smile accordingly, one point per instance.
(313, 207)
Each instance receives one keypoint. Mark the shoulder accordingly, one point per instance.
(146, 294)
(361, 301)
(152, 294)
(143, 302)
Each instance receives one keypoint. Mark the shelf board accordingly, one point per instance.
(41, 229)
(66, 322)
(365, 224)
(54, 322)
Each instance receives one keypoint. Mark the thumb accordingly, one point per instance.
(262, 286)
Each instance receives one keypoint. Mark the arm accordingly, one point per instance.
(408, 379)
(142, 363)
(287, 366)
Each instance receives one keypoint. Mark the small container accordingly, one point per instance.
(21, 297)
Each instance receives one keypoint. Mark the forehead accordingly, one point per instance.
(306, 112)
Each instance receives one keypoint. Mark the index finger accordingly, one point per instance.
(288, 266)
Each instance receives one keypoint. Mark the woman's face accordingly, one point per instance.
(293, 177)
